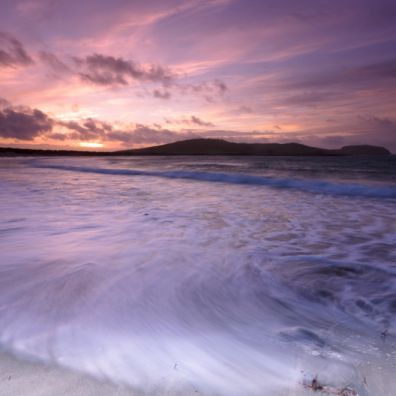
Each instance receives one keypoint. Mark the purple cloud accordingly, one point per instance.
(161, 94)
(108, 70)
(54, 62)
(197, 121)
(12, 52)
(23, 123)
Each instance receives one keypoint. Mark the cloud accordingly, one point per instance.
(26, 124)
(244, 110)
(54, 62)
(161, 94)
(23, 123)
(193, 120)
(93, 129)
(363, 129)
(240, 136)
(309, 98)
(143, 134)
(374, 71)
(377, 130)
(208, 88)
(382, 122)
(4, 103)
(57, 136)
(88, 129)
(108, 70)
(197, 121)
(12, 52)
(361, 76)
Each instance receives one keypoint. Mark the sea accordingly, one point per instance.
(206, 275)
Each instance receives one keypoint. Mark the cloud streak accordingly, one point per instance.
(12, 52)
(108, 70)
(53, 62)
(240, 69)
(24, 123)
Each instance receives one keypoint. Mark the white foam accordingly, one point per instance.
(223, 289)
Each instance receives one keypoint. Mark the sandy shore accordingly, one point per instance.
(19, 378)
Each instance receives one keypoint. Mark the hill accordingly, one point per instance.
(211, 147)
(222, 147)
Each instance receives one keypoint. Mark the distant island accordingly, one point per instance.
(211, 147)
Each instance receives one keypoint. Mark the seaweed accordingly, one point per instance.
(316, 386)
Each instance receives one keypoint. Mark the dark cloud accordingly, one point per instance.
(24, 123)
(376, 130)
(54, 62)
(58, 136)
(161, 94)
(238, 136)
(220, 85)
(214, 87)
(146, 135)
(108, 70)
(92, 129)
(197, 121)
(309, 98)
(382, 122)
(12, 52)
(381, 70)
(244, 110)
(334, 141)
(4, 103)
(89, 129)
(364, 129)
(193, 120)
(143, 134)
(359, 76)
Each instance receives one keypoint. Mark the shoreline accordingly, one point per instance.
(23, 377)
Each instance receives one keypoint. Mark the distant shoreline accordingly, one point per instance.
(210, 147)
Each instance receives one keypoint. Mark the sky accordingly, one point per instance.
(115, 74)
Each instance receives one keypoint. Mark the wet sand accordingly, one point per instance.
(19, 378)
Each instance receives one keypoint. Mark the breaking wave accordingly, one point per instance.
(307, 185)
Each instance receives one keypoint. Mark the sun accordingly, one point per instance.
(91, 144)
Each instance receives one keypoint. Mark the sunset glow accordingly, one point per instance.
(132, 74)
(91, 144)
(198, 197)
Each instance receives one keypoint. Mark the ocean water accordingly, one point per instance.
(231, 276)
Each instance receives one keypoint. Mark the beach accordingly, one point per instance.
(19, 377)
(210, 275)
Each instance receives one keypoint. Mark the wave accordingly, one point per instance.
(307, 185)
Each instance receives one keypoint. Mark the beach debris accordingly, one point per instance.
(348, 392)
(316, 386)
